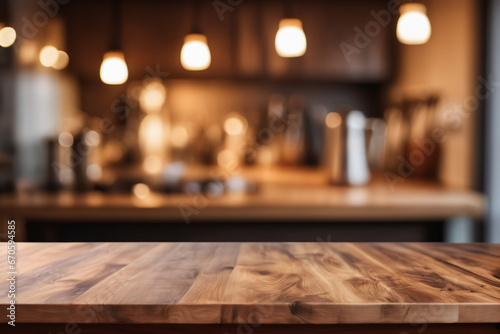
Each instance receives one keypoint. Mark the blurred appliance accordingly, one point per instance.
(293, 146)
(79, 151)
(375, 142)
(423, 152)
(396, 135)
(410, 148)
(345, 148)
(314, 121)
(52, 182)
(269, 136)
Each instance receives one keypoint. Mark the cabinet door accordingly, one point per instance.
(345, 41)
(242, 44)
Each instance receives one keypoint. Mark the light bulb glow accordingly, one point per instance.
(65, 139)
(195, 54)
(94, 172)
(114, 70)
(333, 120)
(152, 97)
(62, 60)
(141, 190)
(227, 159)
(7, 36)
(151, 135)
(92, 138)
(179, 137)
(152, 164)
(290, 39)
(48, 56)
(235, 125)
(413, 25)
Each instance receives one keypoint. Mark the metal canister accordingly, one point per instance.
(345, 148)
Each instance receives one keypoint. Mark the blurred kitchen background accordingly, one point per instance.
(164, 120)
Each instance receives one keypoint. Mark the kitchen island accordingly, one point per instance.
(254, 287)
(284, 195)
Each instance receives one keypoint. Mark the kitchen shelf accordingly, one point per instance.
(284, 195)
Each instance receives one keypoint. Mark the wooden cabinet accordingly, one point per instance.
(332, 53)
(242, 44)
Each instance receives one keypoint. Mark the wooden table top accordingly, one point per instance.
(284, 195)
(268, 283)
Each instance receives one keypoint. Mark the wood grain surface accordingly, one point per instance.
(256, 283)
(249, 329)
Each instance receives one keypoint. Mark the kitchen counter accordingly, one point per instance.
(285, 195)
(258, 283)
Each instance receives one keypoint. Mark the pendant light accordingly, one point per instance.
(7, 34)
(195, 53)
(413, 25)
(114, 69)
(290, 39)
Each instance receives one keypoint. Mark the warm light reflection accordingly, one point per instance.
(94, 172)
(152, 164)
(28, 52)
(114, 69)
(179, 137)
(151, 135)
(413, 25)
(290, 38)
(113, 150)
(65, 139)
(48, 56)
(92, 138)
(62, 60)
(195, 54)
(7, 36)
(227, 159)
(333, 120)
(141, 190)
(67, 177)
(235, 125)
(152, 97)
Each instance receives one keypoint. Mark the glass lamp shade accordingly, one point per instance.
(114, 69)
(7, 36)
(413, 25)
(195, 54)
(290, 38)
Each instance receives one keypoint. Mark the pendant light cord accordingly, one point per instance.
(288, 9)
(5, 7)
(196, 17)
(116, 21)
